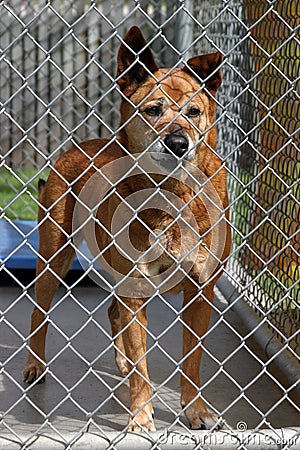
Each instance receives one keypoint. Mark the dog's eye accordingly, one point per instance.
(193, 112)
(153, 111)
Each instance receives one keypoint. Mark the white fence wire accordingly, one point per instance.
(58, 63)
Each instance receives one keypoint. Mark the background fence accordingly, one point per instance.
(57, 67)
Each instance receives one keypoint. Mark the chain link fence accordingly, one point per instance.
(57, 88)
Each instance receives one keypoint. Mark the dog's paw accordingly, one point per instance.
(200, 418)
(33, 370)
(207, 421)
(142, 421)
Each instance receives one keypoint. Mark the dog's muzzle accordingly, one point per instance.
(172, 148)
(178, 144)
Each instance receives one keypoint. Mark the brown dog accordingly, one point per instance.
(169, 115)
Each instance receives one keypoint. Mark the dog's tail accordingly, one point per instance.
(41, 188)
(41, 191)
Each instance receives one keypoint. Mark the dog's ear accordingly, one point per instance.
(135, 61)
(206, 68)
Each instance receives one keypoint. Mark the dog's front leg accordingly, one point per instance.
(196, 316)
(116, 329)
(134, 324)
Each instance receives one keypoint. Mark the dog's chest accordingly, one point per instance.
(158, 234)
(162, 242)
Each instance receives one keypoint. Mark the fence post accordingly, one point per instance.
(184, 28)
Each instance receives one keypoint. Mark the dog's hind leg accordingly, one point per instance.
(55, 258)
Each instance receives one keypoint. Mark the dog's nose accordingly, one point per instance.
(177, 143)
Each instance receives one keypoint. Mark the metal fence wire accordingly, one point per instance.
(58, 88)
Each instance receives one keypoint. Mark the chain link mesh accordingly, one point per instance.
(57, 68)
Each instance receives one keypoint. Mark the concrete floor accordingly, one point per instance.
(238, 386)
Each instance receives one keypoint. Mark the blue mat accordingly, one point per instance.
(19, 244)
